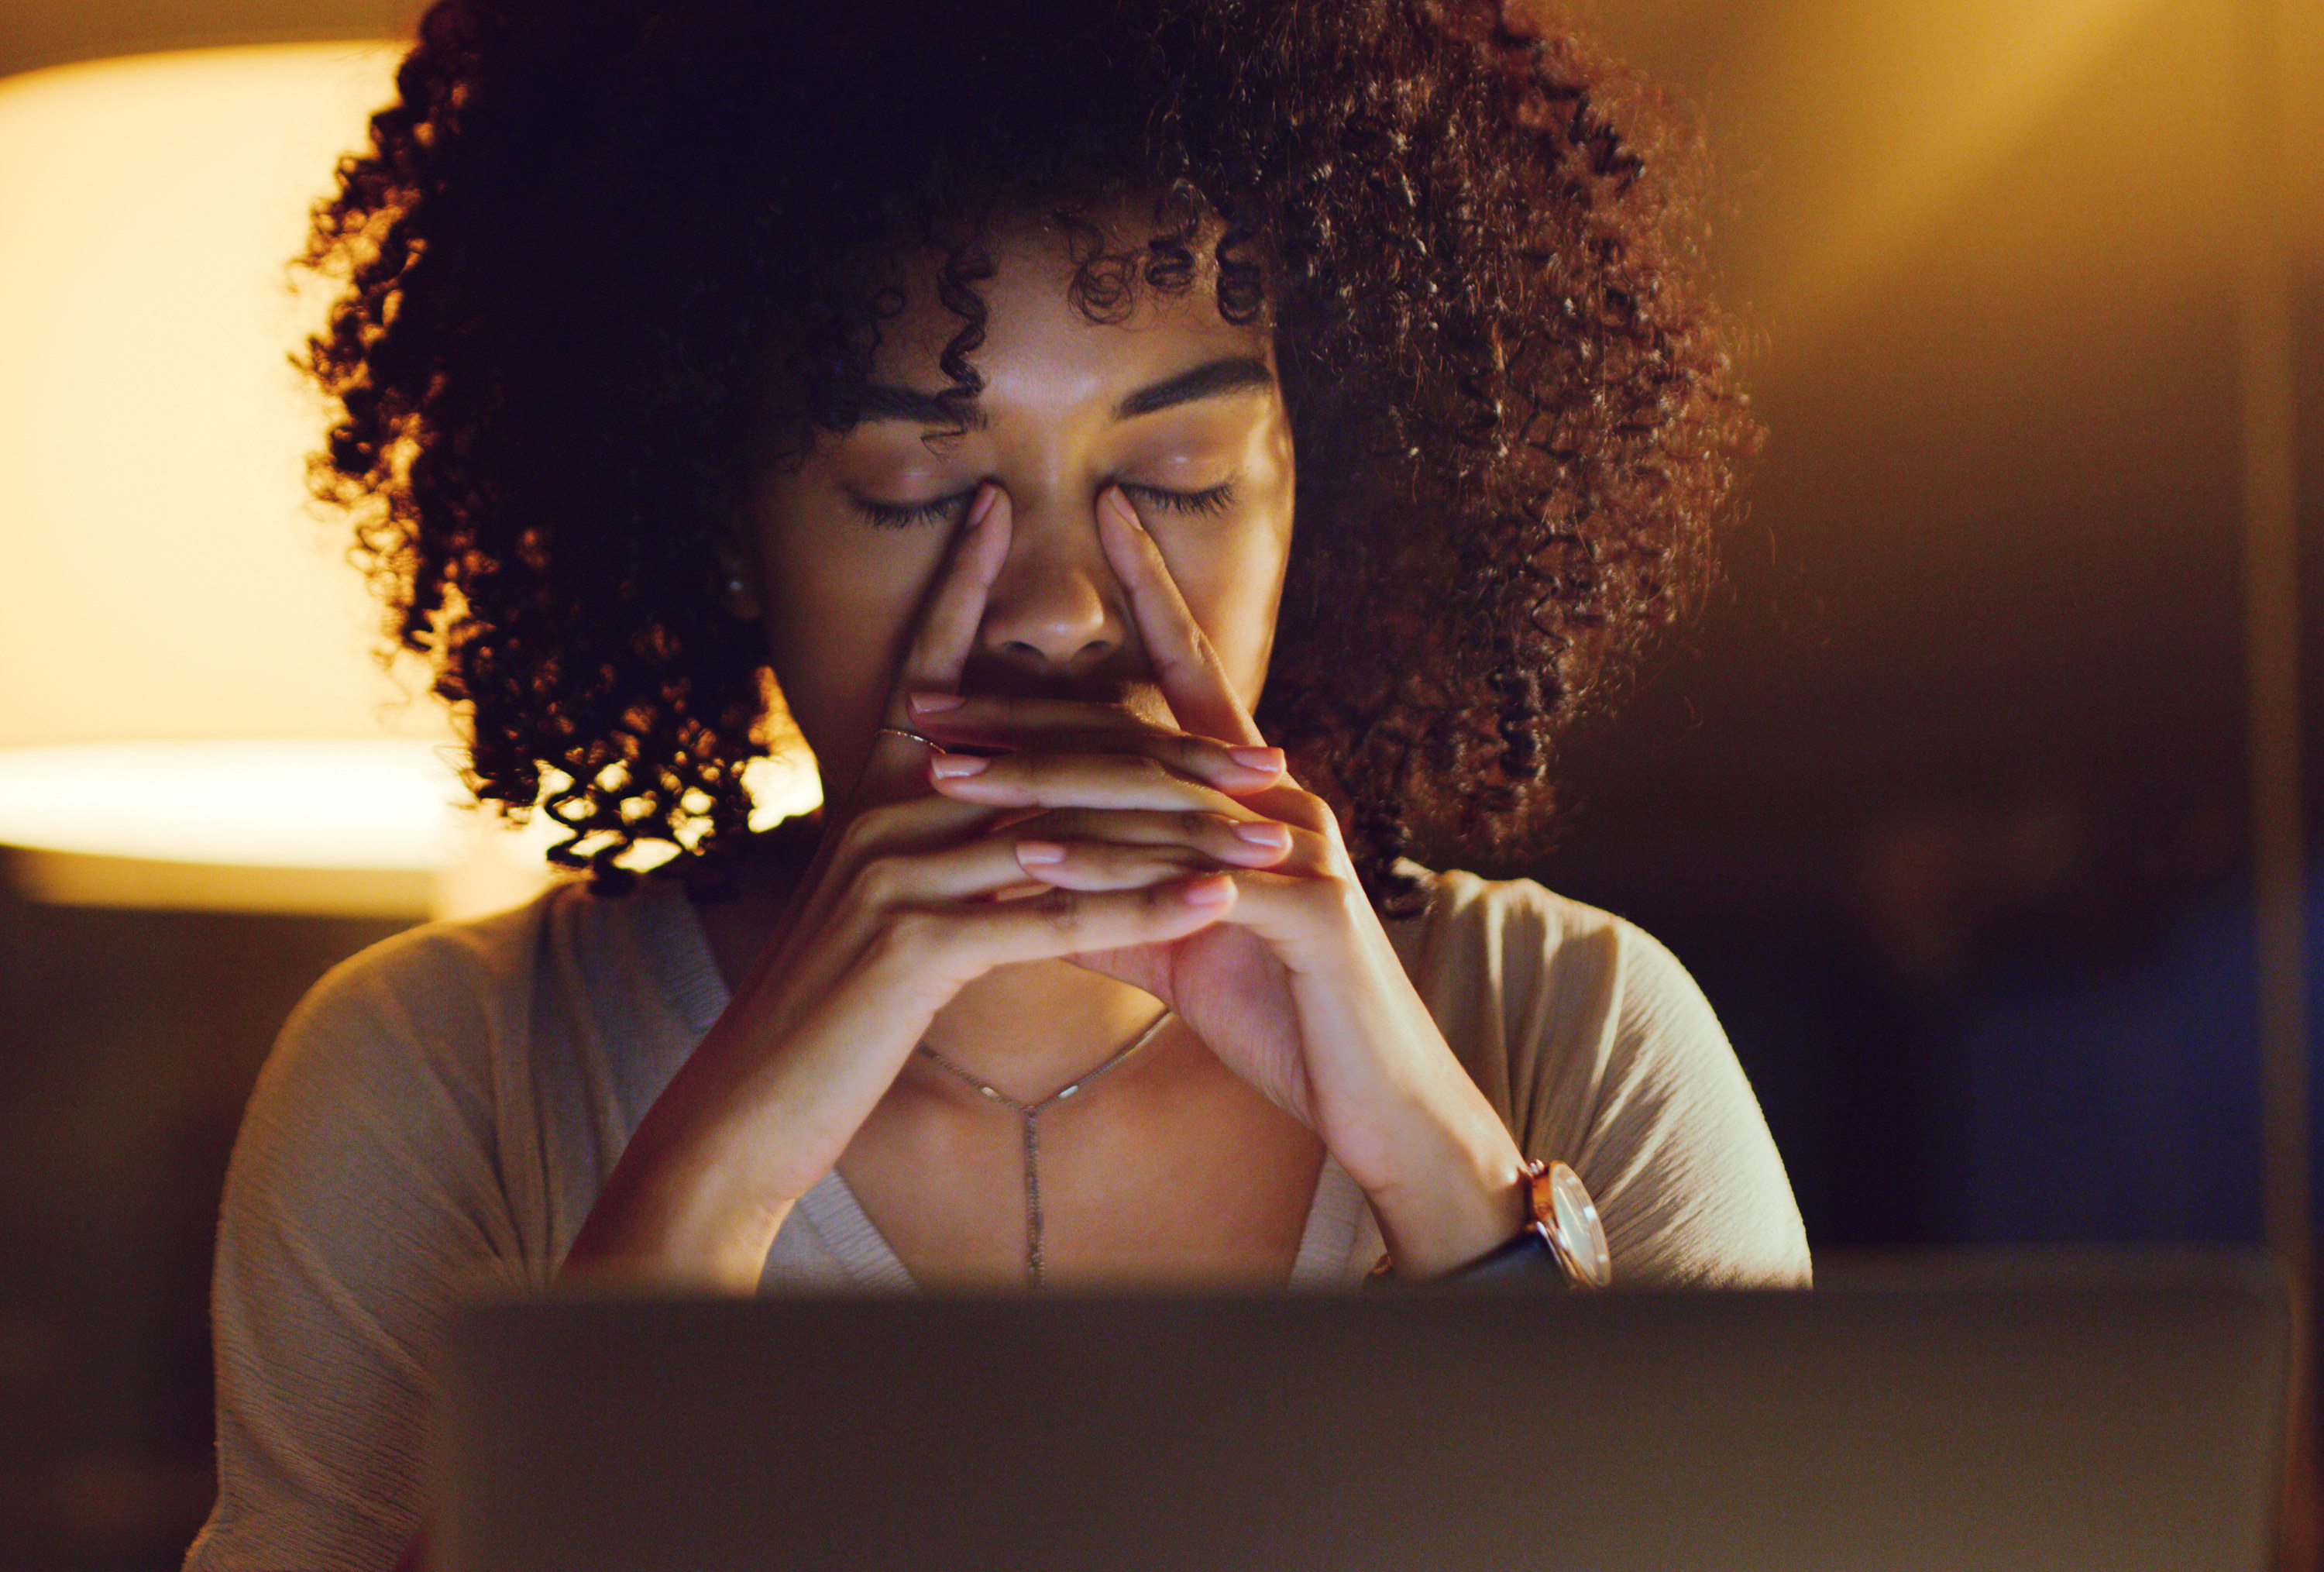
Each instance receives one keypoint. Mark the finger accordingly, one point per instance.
(1066, 726)
(1306, 921)
(1200, 829)
(946, 632)
(977, 869)
(955, 943)
(1194, 680)
(1103, 866)
(895, 855)
(911, 821)
(1114, 865)
(1060, 846)
(877, 886)
(954, 608)
(1070, 780)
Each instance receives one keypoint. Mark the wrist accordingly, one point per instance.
(678, 1219)
(699, 1189)
(1451, 1186)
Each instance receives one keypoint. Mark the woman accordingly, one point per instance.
(948, 382)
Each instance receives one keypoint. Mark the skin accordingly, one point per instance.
(843, 592)
(1044, 593)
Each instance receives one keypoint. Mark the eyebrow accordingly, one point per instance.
(1213, 379)
(1236, 374)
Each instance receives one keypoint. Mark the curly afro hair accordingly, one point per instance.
(599, 250)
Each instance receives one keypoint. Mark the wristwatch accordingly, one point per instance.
(1563, 1241)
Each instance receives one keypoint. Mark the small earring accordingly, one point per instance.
(733, 587)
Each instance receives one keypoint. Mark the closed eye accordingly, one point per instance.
(1214, 500)
(891, 515)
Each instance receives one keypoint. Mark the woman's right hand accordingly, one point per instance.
(893, 915)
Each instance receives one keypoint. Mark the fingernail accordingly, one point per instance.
(1031, 851)
(1265, 834)
(950, 766)
(1119, 502)
(935, 703)
(1212, 891)
(982, 507)
(1257, 758)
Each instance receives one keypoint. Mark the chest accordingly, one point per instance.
(1183, 1180)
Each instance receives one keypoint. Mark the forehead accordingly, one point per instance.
(1039, 346)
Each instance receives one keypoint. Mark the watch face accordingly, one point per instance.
(1582, 1239)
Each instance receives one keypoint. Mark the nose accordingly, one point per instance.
(1055, 608)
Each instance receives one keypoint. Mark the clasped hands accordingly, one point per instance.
(1159, 857)
(1294, 984)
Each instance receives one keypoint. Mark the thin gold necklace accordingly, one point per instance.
(1030, 1113)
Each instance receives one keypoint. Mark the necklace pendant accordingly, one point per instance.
(1030, 1114)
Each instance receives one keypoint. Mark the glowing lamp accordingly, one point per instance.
(191, 715)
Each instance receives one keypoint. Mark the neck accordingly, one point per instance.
(1030, 1028)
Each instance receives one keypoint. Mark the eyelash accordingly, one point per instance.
(896, 516)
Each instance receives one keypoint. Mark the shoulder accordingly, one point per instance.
(385, 1067)
(1561, 973)
(1608, 974)
(1598, 1047)
(451, 982)
(434, 1017)
(393, 1137)
(1514, 915)
(429, 969)
(370, 1182)
(501, 1060)
(433, 989)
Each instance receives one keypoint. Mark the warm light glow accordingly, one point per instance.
(1856, 128)
(364, 827)
(164, 581)
(373, 804)
(164, 578)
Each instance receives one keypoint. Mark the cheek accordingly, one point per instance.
(1232, 582)
(838, 612)
(1232, 572)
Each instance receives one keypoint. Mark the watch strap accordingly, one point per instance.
(1538, 1255)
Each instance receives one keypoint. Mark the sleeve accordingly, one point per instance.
(1597, 1049)
(1675, 1152)
(365, 1192)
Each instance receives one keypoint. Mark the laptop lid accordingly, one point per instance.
(2119, 1417)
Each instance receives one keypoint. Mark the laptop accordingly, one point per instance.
(2069, 1414)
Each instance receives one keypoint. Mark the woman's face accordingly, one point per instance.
(1176, 404)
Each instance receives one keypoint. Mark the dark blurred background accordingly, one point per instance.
(1947, 800)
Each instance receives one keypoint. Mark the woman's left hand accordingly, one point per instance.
(1297, 987)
